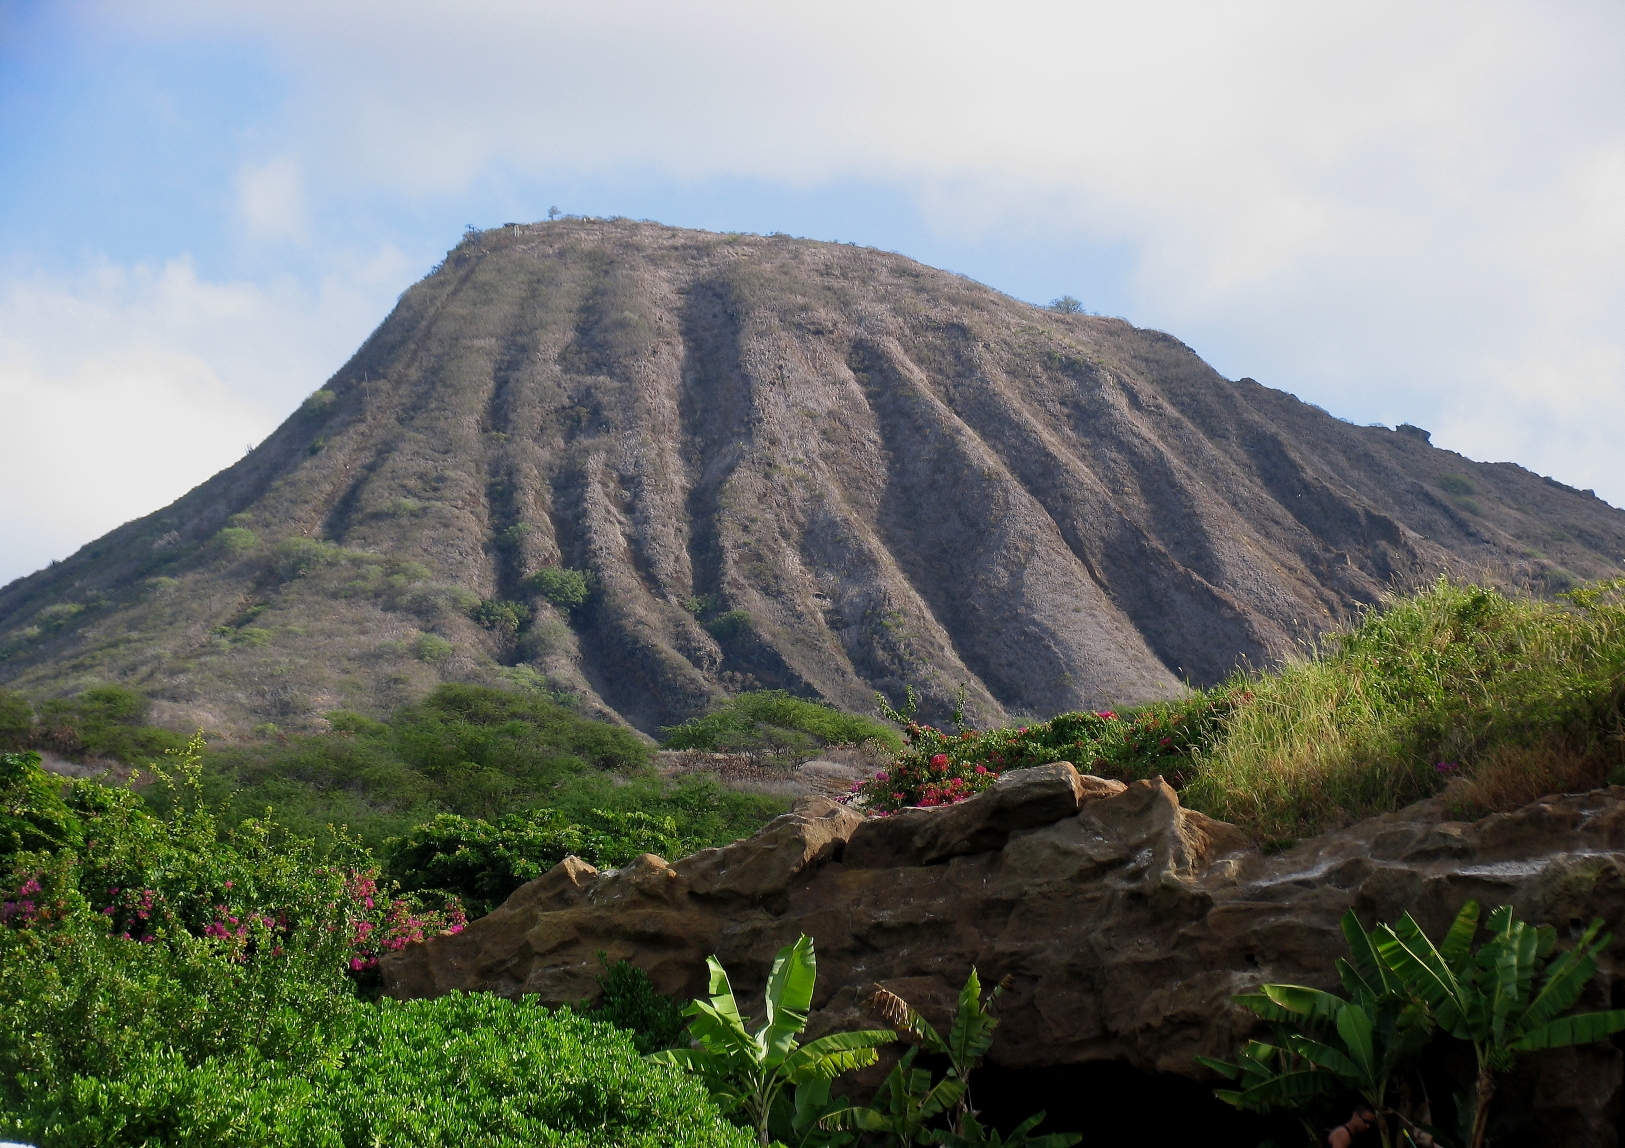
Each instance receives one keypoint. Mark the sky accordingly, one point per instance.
(1402, 212)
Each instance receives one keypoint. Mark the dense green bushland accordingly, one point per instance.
(775, 722)
(1499, 698)
(480, 863)
(477, 753)
(168, 980)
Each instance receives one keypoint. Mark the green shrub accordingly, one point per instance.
(58, 615)
(432, 648)
(514, 536)
(481, 863)
(296, 557)
(33, 816)
(727, 627)
(474, 751)
(236, 540)
(501, 617)
(106, 721)
(318, 401)
(1457, 484)
(774, 720)
(566, 589)
(628, 1000)
(16, 721)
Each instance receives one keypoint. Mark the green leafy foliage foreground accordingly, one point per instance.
(1509, 995)
(165, 980)
(1497, 698)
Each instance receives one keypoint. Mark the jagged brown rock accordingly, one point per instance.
(1126, 921)
(788, 464)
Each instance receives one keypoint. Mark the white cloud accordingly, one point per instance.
(271, 200)
(125, 387)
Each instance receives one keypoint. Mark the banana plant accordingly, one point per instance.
(973, 1135)
(794, 1122)
(969, 1037)
(1489, 997)
(748, 1071)
(1324, 1040)
(910, 1101)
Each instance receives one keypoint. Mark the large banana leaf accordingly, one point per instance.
(1355, 1027)
(789, 997)
(1364, 971)
(1287, 1090)
(972, 1031)
(1566, 979)
(1458, 941)
(1581, 1029)
(829, 1056)
(1319, 1009)
(1406, 950)
(1325, 1056)
(1262, 1005)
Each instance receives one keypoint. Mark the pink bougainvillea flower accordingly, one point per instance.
(882, 776)
(1106, 715)
(940, 760)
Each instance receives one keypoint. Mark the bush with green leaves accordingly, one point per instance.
(776, 721)
(473, 1070)
(236, 540)
(296, 557)
(481, 863)
(503, 618)
(565, 588)
(106, 721)
(628, 999)
(475, 752)
(167, 981)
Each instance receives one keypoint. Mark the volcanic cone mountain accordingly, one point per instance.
(776, 463)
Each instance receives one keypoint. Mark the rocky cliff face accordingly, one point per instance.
(1126, 921)
(787, 464)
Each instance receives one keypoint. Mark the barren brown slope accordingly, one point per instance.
(788, 463)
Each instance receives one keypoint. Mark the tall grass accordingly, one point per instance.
(1500, 699)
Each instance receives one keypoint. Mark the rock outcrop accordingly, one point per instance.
(1126, 920)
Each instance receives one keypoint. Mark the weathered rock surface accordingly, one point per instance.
(1126, 920)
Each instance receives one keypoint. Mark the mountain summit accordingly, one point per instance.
(648, 466)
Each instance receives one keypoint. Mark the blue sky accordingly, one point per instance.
(1401, 212)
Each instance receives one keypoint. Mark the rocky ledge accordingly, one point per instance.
(1126, 920)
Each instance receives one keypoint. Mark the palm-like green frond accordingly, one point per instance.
(1319, 1009)
(1581, 1029)
(789, 997)
(1566, 979)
